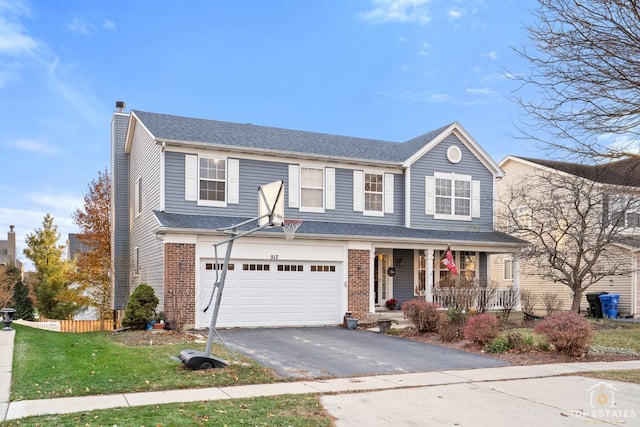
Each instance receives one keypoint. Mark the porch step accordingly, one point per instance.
(395, 315)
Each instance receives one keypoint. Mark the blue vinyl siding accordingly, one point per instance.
(144, 163)
(436, 161)
(120, 211)
(254, 173)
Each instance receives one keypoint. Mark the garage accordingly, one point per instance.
(272, 293)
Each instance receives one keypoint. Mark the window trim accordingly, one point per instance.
(315, 209)
(369, 212)
(214, 203)
(453, 177)
(504, 269)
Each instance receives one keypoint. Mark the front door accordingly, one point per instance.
(383, 283)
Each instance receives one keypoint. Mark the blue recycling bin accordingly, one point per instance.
(609, 304)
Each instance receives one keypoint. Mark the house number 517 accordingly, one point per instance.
(274, 257)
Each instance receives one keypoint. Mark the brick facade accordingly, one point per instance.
(358, 283)
(180, 283)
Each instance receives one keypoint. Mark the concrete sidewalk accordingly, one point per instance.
(469, 390)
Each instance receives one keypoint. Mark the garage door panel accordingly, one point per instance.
(289, 294)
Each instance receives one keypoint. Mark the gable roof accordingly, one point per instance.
(625, 172)
(186, 131)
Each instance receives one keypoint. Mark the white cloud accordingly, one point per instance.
(491, 55)
(14, 39)
(441, 98)
(57, 201)
(455, 13)
(35, 146)
(479, 91)
(626, 143)
(79, 25)
(398, 11)
(109, 25)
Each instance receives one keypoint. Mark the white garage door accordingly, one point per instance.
(272, 293)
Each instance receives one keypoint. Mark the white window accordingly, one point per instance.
(311, 189)
(452, 196)
(373, 193)
(212, 174)
(468, 265)
(211, 181)
(507, 269)
(420, 284)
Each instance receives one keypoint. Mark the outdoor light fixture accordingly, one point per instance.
(7, 318)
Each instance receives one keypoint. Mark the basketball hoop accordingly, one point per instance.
(290, 226)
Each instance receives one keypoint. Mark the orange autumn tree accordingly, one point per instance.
(93, 263)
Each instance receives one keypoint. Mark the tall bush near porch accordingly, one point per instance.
(424, 315)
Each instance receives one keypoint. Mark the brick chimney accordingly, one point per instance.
(11, 245)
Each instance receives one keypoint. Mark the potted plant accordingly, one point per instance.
(391, 304)
(159, 320)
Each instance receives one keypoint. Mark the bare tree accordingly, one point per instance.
(584, 61)
(570, 224)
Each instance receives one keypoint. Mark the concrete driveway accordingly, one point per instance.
(317, 352)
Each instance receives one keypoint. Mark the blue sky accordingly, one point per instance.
(384, 69)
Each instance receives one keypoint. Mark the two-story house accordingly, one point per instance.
(377, 217)
(613, 183)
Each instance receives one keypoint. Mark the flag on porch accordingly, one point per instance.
(447, 260)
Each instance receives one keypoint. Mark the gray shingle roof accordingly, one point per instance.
(621, 172)
(186, 129)
(340, 230)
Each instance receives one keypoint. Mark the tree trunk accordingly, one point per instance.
(577, 298)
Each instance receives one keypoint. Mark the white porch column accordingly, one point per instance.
(516, 279)
(372, 291)
(428, 283)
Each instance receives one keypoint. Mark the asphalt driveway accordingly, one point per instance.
(317, 352)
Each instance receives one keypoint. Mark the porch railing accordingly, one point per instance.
(489, 298)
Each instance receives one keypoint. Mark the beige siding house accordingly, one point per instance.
(623, 175)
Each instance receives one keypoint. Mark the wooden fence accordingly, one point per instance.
(84, 325)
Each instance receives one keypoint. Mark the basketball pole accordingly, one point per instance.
(196, 359)
(223, 276)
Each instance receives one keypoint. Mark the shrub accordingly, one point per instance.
(424, 315)
(482, 328)
(568, 332)
(551, 302)
(141, 307)
(498, 345)
(451, 325)
(520, 342)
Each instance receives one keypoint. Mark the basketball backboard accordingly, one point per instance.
(271, 204)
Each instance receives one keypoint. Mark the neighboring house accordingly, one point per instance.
(367, 205)
(8, 254)
(620, 177)
(74, 247)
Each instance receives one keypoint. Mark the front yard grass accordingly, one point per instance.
(52, 364)
(287, 410)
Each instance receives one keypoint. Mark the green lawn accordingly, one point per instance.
(52, 364)
(288, 410)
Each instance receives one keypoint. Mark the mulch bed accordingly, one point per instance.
(533, 357)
